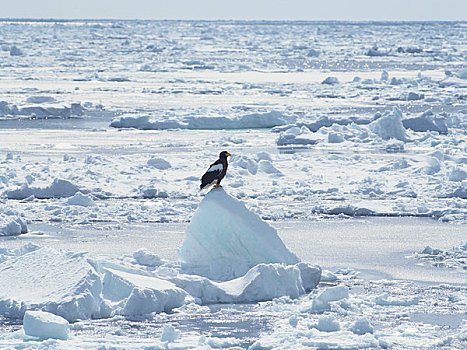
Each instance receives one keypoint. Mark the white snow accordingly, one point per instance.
(45, 325)
(224, 239)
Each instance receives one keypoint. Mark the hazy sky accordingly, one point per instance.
(238, 9)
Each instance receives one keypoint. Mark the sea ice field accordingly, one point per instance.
(342, 221)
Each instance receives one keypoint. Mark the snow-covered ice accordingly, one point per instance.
(348, 145)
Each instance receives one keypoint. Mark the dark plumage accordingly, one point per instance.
(216, 172)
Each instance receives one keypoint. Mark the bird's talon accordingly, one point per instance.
(217, 186)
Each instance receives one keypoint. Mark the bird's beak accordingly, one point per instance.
(228, 154)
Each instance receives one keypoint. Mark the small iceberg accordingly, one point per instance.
(224, 240)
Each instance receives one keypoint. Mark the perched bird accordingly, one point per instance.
(216, 172)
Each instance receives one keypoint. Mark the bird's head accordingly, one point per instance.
(224, 154)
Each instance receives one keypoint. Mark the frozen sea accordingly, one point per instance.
(349, 138)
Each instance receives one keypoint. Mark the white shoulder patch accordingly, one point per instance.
(217, 167)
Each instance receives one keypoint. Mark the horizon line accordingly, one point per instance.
(52, 19)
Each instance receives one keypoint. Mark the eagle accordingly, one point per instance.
(216, 172)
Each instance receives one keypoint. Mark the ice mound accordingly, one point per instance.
(427, 121)
(57, 189)
(12, 226)
(262, 282)
(296, 136)
(159, 163)
(133, 294)
(321, 302)
(61, 283)
(248, 121)
(453, 258)
(146, 258)
(45, 325)
(224, 239)
(15, 51)
(81, 200)
(389, 126)
(330, 81)
(38, 99)
(76, 287)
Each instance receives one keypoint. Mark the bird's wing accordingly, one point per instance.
(212, 173)
(216, 167)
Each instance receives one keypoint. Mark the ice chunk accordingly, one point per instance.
(169, 334)
(15, 51)
(375, 52)
(159, 163)
(45, 325)
(62, 283)
(432, 166)
(385, 300)
(265, 282)
(81, 200)
(389, 126)
(413, 96)
(41, 99)
(248, 121)
(135, 294)
(267, 167)
(296, 136)
(384, 76)
(12, 226)
(152, 192)
(328, 323)
(321, 302)
(457, 174)
(335, 137)
(427, 121)
(59, 188)
(330, 81)
(224, 239)
(262, 282)
(310, 274)
(247, 163)
(146, 258)
(361, 326)
(263, 156)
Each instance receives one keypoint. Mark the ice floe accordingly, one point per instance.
(247, 121)
(57, 189)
